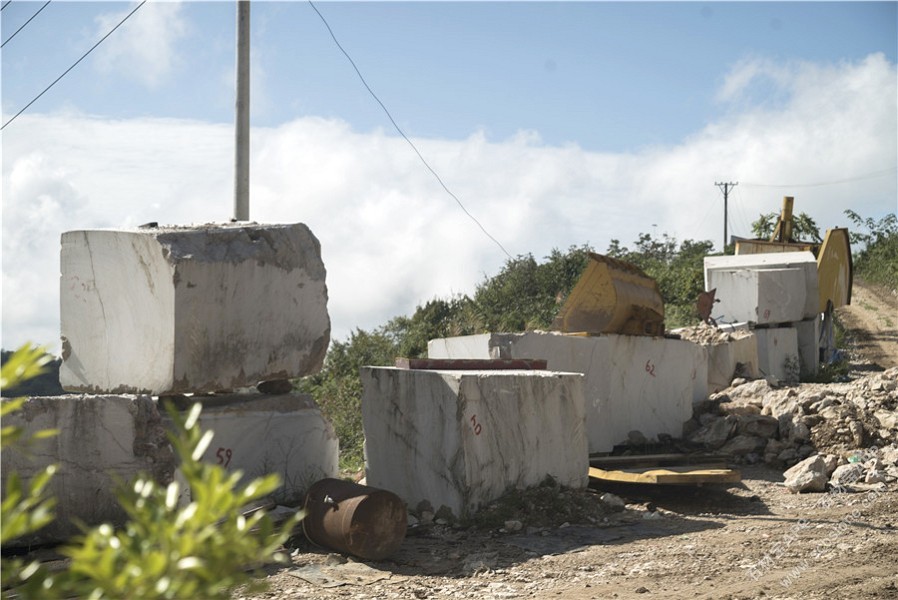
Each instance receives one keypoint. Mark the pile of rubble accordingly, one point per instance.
(707, 335)
(840, 431)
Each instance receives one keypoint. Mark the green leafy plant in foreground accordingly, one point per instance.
(26, 506)
(169, 548)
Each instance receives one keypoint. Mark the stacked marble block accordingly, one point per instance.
(156, 312)
(778, 295)
(631, 383)
(461, 439)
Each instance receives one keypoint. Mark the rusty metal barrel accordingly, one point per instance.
(363, 521)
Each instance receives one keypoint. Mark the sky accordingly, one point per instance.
(554, 124)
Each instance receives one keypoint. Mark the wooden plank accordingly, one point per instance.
(657, 460)
(686, 475)
(472, 364)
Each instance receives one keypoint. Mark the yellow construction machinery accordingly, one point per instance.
(612, 296)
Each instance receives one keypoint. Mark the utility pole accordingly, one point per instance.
(241, 163)
(726, 195)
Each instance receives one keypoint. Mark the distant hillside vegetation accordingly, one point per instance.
(46, 384)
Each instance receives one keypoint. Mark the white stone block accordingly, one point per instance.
(765, 297)
(808, 332)
(463, 438)
(631, 382)
(465, 346)
(725, 357)
(103, 442)
(259, 434)
(778, 353)
(763, 288)
(191, 309)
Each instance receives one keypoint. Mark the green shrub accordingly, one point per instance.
(26, 507)
(876, 250)
(167, 550)
(200, 548)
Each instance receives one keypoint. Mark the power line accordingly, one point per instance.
(872, 175)
(405, 137)
(5, 4)
(26, 22)
(83, 56)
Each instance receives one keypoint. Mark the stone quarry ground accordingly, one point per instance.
(754, 539)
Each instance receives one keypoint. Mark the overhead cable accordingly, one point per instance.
(26, 22)
(83, 56)
(405, 137)
(5, 4)
(872, 175)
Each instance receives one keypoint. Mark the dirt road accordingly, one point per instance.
(871, 323)
(755, 540)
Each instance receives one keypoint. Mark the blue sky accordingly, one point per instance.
(605, 76)
(555, 123)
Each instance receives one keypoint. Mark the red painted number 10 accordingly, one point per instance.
(224, 456)
(475, 425)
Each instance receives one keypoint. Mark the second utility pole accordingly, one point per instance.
(726, 193)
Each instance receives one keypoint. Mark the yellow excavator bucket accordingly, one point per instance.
(612, 296)
(834, 269)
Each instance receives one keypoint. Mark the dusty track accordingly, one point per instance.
(871, 324)
(755, 540)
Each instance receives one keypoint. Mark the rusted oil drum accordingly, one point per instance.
(356, 519)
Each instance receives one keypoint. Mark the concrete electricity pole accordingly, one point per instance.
(726, 194)
(241, 167)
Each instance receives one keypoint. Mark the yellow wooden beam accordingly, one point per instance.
(687, 475)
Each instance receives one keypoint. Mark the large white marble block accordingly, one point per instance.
(763, 288)
(102, 442)
(260, 434)
(461, 439)
(631, 382)
(191, 309)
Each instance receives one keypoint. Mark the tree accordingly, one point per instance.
(876, 260)
(804, 228)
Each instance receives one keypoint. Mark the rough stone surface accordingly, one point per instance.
(716, 433)
(461, 439)
(260, 434)
(103, 441)
(847, 474)
(808, 333)
(191, 309)
(778, 354)
(807, 476)
(744, 444)
(758, 425)
(632, 382)
(729, 349)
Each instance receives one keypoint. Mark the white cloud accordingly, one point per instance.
(143, 48)
(391, 238)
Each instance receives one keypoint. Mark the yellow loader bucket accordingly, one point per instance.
(834, 269)
(612, 296)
